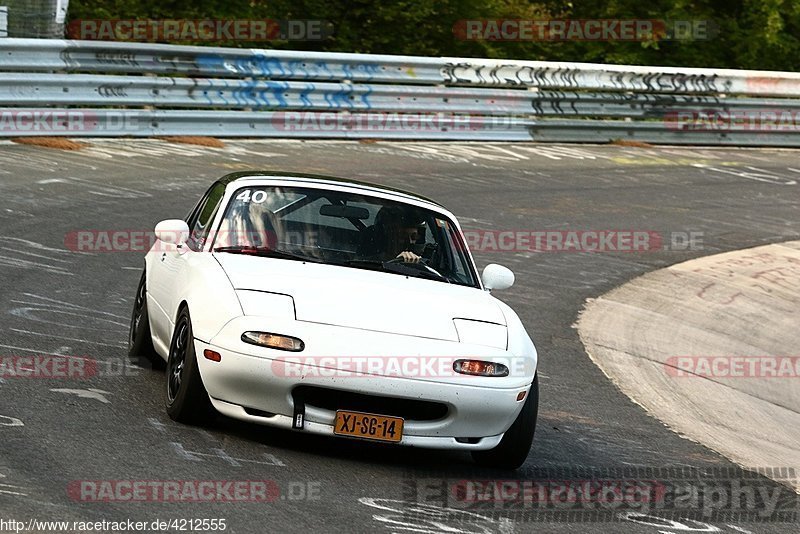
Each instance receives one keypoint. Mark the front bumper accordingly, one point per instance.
(248, 385)
(326, 429)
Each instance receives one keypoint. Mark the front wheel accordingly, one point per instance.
(187, 400)
(140, 343)
(513, 449)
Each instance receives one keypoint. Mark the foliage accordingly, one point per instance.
(750, 34)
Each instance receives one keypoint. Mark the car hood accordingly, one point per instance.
(368, 300)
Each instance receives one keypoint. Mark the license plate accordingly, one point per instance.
(368, 426)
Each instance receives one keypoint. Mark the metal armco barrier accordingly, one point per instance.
(92, 88)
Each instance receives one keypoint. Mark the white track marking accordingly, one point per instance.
(33, 254)
(34, 244)
(26, 264)
(158, 425)
(113, 191)
(660, 522)
(27, 349)
(740, 529)
(61, 302)
(758, 175)
(426, 518)
(96, 394)
(6, 492)
(541, 151)
(29, 332)
(6, 420)
(220, 454)
(35, 258)
(37, 304)
(4, 488)
(26, 313)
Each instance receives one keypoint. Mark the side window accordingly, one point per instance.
(203, 216)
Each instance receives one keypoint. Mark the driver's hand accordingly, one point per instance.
(408, 257)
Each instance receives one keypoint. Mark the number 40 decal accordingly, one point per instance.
(256, 198)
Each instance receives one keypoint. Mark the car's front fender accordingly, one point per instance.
(205, 288)
(519, 342)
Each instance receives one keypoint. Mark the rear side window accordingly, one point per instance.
(203, 216)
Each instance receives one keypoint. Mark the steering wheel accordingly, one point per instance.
(423, 262)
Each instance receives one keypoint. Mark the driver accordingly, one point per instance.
(393, 235)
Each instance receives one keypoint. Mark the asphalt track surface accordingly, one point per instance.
(56, 301)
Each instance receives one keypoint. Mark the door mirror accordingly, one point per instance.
(173, 231)
(497, 277)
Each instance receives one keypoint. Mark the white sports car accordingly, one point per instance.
(340, 308)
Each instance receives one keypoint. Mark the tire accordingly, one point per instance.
(513, 449)
(140, 342)
(187, 401)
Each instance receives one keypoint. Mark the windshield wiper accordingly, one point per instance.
(408, 269)
(266, 252)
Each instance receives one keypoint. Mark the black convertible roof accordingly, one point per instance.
(319, 178)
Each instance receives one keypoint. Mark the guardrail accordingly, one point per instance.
(92, 88)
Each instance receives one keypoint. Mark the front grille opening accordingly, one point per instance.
(258, 413)
(334, 399)
(469, 440)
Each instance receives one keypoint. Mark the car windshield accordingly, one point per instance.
(347, 229)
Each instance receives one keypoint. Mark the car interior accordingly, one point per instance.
(335, 228)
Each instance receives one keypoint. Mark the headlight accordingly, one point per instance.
(480, 333)
(274, 341)
(265, 304)
(479, 368)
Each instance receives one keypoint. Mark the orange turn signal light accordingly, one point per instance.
(212, 355)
